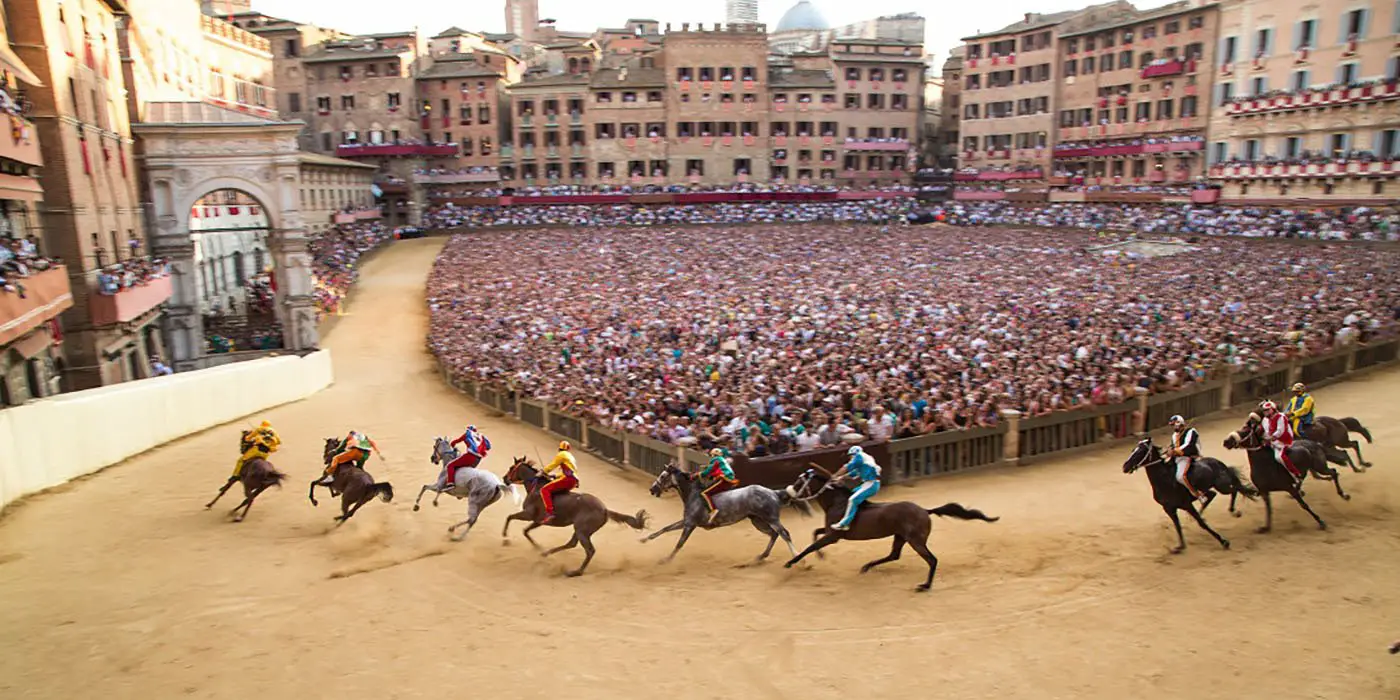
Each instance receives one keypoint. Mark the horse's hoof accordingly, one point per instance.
(1237, 513)
(865, 569)
(1263, 531)
(1225, 544)
(238, 519)
(1321, 525)
(1346, 497)
(573, 574)
(505, 542)
(1178, 550)
(787, 565)
(415, 507)
(923, 587)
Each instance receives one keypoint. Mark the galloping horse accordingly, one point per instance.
(1336, 432)
(355, 486)
(1269, 475)
(480, 487)
(908, 523)
(1207, 475)
(758, 504)
(585, 512)
(257, 475)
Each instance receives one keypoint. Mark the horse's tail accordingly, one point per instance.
(1240, 484)
(954, 510)
(1354, 426)
(274, 476)
(504, 489)
(786, 498)
(636, 522)
(384, 490)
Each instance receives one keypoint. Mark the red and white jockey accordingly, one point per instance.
(476, 446)
(1279, 435)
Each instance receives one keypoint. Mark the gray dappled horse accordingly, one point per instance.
(759, 505)
(480, 487)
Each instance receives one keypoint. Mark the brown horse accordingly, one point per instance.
(257, 475)
(355, 486)
(908, 523)
(585, 512)
(1336, 432)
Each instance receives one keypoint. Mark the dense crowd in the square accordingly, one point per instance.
(335, 257)
(777, 337)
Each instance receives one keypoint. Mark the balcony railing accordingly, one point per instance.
(1307, 99)
(1142, 129)
(1130, 149)
(378, 150)
(46, 295)
(1175, 66)
(224, 30)
(1327, 169)
(456, 178)
(128, 304)
(22, 144)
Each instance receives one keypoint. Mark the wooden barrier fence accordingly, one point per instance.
(1015, 440)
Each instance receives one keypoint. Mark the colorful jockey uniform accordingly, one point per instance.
(256, 443)
(722, 479)
(475, 446)
(1186, 447)
(863, 468)
(567, 479)
(1300, 409)
(357, 447)
(1279, 435)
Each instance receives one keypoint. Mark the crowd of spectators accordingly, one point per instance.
(875, 210)
(132, 272)
(20, 258)
(335, 255)
(773, 338)
(1363, 223)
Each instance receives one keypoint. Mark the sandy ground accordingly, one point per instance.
(121, 586)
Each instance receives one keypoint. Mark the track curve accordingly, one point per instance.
(121, 582)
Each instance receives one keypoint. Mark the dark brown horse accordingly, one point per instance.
(1208, 475)
(256, 476)
(908, 523)
(1269, 475)
(355, 486)
(584, 512)
(1336, 432)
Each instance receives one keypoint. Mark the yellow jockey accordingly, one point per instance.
(1299, 410)
(256, 443)
(563, 462)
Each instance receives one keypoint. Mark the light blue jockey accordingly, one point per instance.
(863, 468)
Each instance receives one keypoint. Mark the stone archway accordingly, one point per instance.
(190, 149)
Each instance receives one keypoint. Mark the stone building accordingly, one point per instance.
(546, 111)
(1306, 104)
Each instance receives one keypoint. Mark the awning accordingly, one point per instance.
(16, 66)
(26, 189)
(33, 344)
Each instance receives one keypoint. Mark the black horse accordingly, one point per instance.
(1269, 475)
(1208, 475)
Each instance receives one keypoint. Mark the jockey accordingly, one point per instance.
(355, 449)
(567, 479)
(476, 446)
(1279, 435)
(864, 469)
(1185, 448)
(1300, 409)
(258, 442)
(723, 479)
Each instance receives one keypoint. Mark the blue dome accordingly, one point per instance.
(803, 15)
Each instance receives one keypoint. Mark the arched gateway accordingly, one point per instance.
(193, 148)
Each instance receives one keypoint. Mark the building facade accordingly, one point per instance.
(334, 191)
(523, 18)
(1306, 105)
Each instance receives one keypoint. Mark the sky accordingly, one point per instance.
(947, 23)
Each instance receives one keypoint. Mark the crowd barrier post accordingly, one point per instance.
(1011, 444)
(1140, 420)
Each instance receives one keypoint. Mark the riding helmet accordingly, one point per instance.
(855, 450)
(564, 446)
(1299, 387)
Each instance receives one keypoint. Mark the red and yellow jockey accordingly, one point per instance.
(567, 467)
(256, 443)
(358, 448)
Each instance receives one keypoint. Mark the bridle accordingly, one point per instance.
(807, 484)
(1156, 455)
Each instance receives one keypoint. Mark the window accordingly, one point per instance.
(1146, 59)
(1227, 93)
(1071, 68)
(1388, 143)
(1188, 106)
(1340, 144)
(1125, 60)
(326, 141)
(1292, 147)
(1346, 73)
(1143, 111)
(1073, 46)
(1251, 149)
(292, 48)
(293, 102)
(347, 101)
(1263, 42)
(1164, 108)
(1258, 86)
(1087, 65)
(1305, 34)
(875, 100)
(1300, 80)
(323, 104)
(1219, 152)
(1354, 26)
(1228, 45)
(1173, 27)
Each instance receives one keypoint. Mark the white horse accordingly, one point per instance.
(480, 487)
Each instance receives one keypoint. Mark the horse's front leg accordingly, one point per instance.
(472, 512)
(669, 528)
(531, 540)
(420, 496)
(311, 493)
(221, 493)
(680, 542)
(1356, 445)
(1202, 522)
(1210, 496)
(505, 531)
(828, 538)
(1337, 482)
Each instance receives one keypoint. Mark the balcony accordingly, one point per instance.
(128, 304)
(456, 178)
(881, 145)
(1168, 68)
(220, 29)
(1118, 149)
(46, 295)
(999, 175)
(22, 144)
(1319, 169)
(391, 150)
(507, 152)
(1308, 99)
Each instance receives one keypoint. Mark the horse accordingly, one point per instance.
(355, 486)
(908, 523)
(758, 504)
(480, 487)
(256, 476)
(1336, 433)
(585, 512)
(1269, 475)
(1208, 475)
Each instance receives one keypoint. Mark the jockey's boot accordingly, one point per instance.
(547, 519)
(714, 513)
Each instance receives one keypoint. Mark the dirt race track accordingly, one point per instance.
(121, 586)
